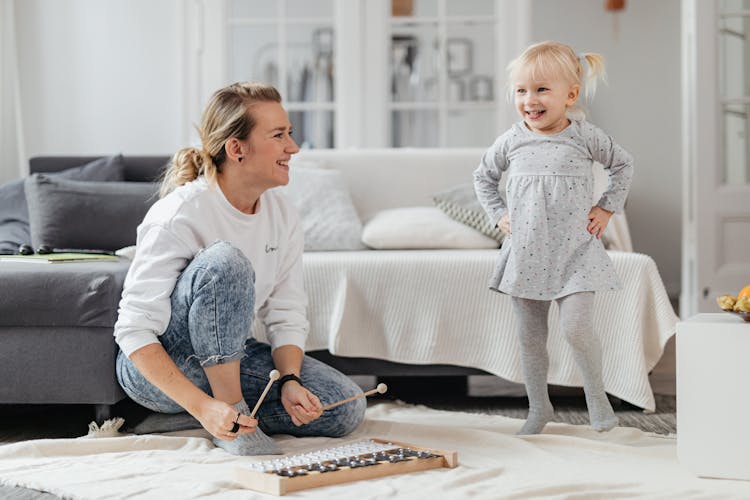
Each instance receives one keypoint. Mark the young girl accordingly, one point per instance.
(553, 249)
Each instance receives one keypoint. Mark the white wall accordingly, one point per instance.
(100, 76)
(639, 107)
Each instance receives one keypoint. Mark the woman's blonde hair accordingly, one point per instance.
(227, 115)
(557, 60)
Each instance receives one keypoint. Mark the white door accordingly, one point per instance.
(716, 138)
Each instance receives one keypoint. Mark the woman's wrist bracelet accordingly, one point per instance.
(286, 378)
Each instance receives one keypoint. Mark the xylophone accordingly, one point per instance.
(355, 461)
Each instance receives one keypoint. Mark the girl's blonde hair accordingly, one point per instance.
(227, 115)
(557, 60)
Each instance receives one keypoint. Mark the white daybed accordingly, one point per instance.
(428, 307)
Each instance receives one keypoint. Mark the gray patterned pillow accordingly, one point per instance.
(460, 203)
(329, 219)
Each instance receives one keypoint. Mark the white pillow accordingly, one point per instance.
(421, 228)
(127, 252)
(329, 219)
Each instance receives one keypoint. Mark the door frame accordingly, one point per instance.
(714, 213)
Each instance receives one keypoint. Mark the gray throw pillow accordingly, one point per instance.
(107, 169)
(14, 217)
(86, 215)
(14, 214)
(329, 219)
(460, 203)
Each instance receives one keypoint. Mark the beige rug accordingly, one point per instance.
(565, 462)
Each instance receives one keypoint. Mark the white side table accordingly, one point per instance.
(713, 395)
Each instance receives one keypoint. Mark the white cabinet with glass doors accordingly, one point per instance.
(364, 73)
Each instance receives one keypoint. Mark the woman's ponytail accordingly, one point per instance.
(186, 165)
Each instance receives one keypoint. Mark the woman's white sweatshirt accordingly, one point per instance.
(191, 218)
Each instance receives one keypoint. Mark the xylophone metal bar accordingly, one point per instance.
(270, 482)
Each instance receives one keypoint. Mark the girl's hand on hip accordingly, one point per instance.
(598, 220)
(302, 405)
(504, 224)
(218, 418)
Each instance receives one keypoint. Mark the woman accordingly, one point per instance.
(217, 249)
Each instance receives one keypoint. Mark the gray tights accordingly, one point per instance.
(576, 324)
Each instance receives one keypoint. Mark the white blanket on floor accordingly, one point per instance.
(563, 462)
(434, 307)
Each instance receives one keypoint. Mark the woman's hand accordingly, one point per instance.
(218, 418)
(504, 223)
(598, 220)
(302, 405)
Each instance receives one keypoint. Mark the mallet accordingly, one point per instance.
(381, 388)
(272, 377)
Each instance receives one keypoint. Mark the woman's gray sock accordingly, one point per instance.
(532, 334)
(576, 323)
(257, 443)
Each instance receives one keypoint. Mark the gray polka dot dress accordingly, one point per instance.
(549, 253)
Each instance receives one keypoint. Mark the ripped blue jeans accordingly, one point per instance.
(212, 314)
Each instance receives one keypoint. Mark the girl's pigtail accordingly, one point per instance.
(592, 66)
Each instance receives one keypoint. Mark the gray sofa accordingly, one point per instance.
(56, 321)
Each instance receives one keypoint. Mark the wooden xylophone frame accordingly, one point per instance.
(274, 484)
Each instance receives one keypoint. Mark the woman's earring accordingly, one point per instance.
(239, 158)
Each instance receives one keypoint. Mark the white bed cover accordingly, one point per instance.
(434, 307)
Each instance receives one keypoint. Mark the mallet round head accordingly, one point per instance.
(274, 375)
(382, 388)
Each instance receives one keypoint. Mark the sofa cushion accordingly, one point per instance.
(329, 219)
(107, 169)
(460, 203)
(69, 294)
(75, 214)
(421, 228)
(14, 218)
(14, 215)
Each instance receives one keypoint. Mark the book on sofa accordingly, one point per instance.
(58, 258)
